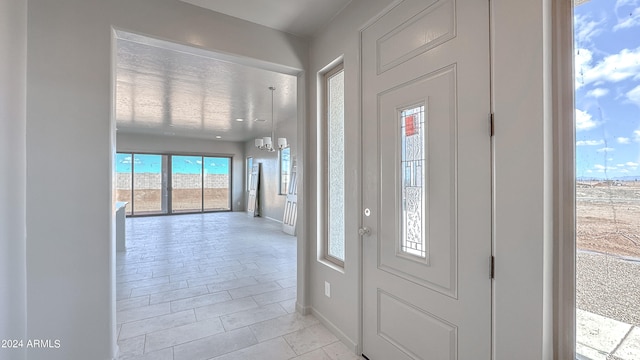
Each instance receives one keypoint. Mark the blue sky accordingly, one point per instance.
(607, 66)
(146, 163)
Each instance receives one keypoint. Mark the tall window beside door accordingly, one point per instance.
(332, 172)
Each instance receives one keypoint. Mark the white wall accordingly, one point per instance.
(13, 81)
(340, 39)
(522, 174)
(68, 125)
(131, 142)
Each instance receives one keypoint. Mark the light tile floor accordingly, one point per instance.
(214, 286)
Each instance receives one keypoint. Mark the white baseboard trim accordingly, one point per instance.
(337, 332)
(272, 219)
(304, 310)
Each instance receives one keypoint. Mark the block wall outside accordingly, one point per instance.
(180, 181)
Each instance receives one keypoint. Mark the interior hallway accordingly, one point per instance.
(214, 286)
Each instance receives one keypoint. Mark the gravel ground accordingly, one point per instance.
(609, 286)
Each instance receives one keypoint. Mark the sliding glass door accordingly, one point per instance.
(155, 184)
(217, 184)
(147, 184)
(186, 183)
(124, 184)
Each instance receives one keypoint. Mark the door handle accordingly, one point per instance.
(364, 231)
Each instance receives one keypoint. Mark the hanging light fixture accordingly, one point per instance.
(266, 143)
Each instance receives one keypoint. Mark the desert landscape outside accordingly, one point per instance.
(184, 184)
(607, 158)
(608, 249)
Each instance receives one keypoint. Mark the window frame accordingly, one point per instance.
(169, 187)
(564, 197)
(248, 168)
(331, 71)
(283, 190)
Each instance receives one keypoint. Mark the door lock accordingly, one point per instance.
(364, 231)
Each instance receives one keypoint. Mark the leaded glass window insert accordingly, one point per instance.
(413, 164)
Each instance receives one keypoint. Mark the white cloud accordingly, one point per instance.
(621, 3)
(629, 16)
(582, 62)
(586, 28)
(613, 68)
(598, 92)
(606, 149)
(636, 136)
(584, 121)
(601, 168)
(589, 142)
(634, 95)
(623, 140)
(632, 20)
(632, 165)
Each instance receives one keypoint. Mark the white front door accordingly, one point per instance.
(427, 182)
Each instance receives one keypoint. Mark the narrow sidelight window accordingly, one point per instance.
(334, 173)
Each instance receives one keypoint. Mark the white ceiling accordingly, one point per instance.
(298, 17)
(169, 89)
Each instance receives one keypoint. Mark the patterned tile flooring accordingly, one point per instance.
(214, 286)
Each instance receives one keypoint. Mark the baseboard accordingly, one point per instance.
(116, 352)
(337, 332)
(272, 219)
(304, 310)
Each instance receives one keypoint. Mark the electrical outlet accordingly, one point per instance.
(327, 289)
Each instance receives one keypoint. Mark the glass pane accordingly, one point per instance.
(285, 170)
(413, 181)
(335, 174)
(147, 184)
(186, 183)
(123, 180)
(607, 64)
(249, 171)
(217, 184)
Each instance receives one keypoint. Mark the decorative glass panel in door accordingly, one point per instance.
(413, 177)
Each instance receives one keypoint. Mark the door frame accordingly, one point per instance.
(560, 280)
(564, 231)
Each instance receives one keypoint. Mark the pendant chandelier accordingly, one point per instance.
(266, 143)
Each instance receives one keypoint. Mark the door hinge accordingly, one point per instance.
(492, 127)
(492, 271)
